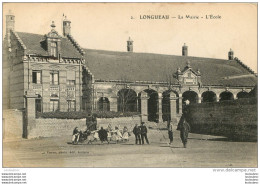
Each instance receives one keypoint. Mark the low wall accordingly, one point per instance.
(61, 127)
(119, 122)
(12, 124)
(55, 127)
(234, 119)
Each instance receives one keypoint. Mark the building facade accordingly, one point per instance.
(66, 77)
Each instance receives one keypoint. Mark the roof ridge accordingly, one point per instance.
(89, 72)
(19, 39)
(196, 57)
(245, 66)
(30, 33)
(75, 44)
(82, 52)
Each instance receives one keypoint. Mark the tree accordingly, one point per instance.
(127, 97)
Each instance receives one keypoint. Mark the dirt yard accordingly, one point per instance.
(202, 151)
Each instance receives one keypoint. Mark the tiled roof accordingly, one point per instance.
(109, 65)
(32, 43)
(133, 67)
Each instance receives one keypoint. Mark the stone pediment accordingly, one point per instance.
(189, 71)
(188, 76)
(53, 34)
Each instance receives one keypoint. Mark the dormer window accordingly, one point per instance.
(188, 76)
(52, 42)
(54, 49)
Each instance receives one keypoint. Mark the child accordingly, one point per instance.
(125, 134)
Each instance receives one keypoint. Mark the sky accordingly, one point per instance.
(107, 26)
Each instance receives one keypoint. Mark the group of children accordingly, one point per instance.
(111, 134)
(116, 135)
(104, 135)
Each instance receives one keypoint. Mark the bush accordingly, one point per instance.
(236, 120)
(83, 114)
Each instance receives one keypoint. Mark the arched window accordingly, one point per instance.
(191, 96)
(209, 96)
(226, 95)
(103, 104)
(242, 94)
(127, 100)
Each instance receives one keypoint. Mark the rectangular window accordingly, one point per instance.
(71, 105)
(71, 82)
(54, 78)
(54, 50)
(71, 78)
(54, 105)
(37, 77)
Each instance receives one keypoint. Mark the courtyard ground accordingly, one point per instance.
(202, 151)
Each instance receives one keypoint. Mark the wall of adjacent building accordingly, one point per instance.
(17, 86)
(6, 78)
(13, 74)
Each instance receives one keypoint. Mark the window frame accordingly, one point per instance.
(52, 102)
(69, 105)
(70, 83)
(52, 78)
(33, 80)
(54, 49)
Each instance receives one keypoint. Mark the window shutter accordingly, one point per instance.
(38, 77)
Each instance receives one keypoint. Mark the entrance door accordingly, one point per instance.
(38, 105)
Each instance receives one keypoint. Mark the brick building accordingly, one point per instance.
(49, 65)
(66, 77)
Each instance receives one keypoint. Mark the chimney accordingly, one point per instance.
(130, 45)
(184, 50)
(10, 22)
(230, 55)
(66, 27)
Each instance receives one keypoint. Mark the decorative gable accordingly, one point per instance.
(52, 42)
(188, 76)
(53, 34)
